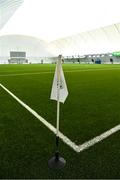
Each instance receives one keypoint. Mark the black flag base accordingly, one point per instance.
(56, 162)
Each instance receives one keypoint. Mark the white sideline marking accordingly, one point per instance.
(48, 125)
(99, 138)
(49, 72)
(64, 138)
(22, 74)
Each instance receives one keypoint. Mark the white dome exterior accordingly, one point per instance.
(7, 9)
(34, 48)
(47, 28)
(102, 40)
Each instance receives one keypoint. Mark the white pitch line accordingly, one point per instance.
(64, 138)
(22, 74)
(99, 138)
(48, 125)
(49, 72)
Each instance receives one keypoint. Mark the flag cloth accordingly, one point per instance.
(59, 88)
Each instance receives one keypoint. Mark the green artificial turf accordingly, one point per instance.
(92, 107)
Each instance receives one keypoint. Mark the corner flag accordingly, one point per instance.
(59, 90)
(59, 93)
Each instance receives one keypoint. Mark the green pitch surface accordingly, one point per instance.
(92, 108)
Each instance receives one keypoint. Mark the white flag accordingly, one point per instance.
(59, 88)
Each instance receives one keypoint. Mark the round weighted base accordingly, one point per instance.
(56, 162)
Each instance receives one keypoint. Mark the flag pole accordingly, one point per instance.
(57, 162)
(58, 107)
(57, 128)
